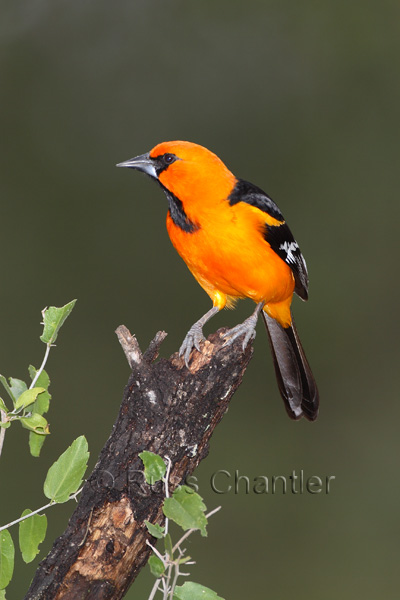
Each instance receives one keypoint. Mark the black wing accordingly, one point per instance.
(251, 194)
(279, 237)
(281, 240)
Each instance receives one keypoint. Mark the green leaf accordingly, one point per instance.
(53, 319)
(15, 389)
(3, 406)
(28, 397)
(42, 403)
(2, 594)
(155, 530)
(3, 381)
(6, 558)
(194, 591)
(156, 566)
(154, 466)
(186, 508)
(36, 442)
(35, 423)
(5, 424)
(65, 476)
(32, 532)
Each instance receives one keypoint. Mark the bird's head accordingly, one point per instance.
(187, 170)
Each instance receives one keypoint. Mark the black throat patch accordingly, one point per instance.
(178, 214)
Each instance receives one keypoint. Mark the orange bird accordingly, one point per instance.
(236, 243)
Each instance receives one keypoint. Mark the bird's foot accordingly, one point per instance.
(247, 328)
(192, 340)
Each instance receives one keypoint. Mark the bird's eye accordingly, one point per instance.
(169, 158)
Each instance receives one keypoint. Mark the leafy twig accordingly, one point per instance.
(185, 508)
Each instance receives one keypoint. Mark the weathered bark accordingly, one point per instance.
(167, 409)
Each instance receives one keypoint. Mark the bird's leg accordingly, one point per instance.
(195, 335)
(247, 328)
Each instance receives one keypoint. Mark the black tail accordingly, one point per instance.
(295, 379)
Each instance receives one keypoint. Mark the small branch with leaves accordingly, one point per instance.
(187, 509)
(31, 403)
(64, 477)
(63, 483)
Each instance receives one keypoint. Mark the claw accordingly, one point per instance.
(192, 340)
(195, 335)
(247, 328)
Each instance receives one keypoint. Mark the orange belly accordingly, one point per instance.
(231, 259)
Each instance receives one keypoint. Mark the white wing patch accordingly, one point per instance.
(290, 248)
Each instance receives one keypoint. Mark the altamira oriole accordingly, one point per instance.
(236, 243)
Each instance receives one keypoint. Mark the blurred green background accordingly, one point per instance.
(303, 100)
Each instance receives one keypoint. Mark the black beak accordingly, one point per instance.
(142, 163)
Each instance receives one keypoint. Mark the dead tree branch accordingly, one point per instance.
(167, 409)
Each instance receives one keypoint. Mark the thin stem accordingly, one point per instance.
(154, 589)
(2, 430)
(166, 582)
(35, 512)
(166, 478)
(190, 531)
(213, 511)
(46, 356)
(174, 581)
(160, 556)
(166, 482)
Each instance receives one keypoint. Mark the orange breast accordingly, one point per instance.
(229, 255)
